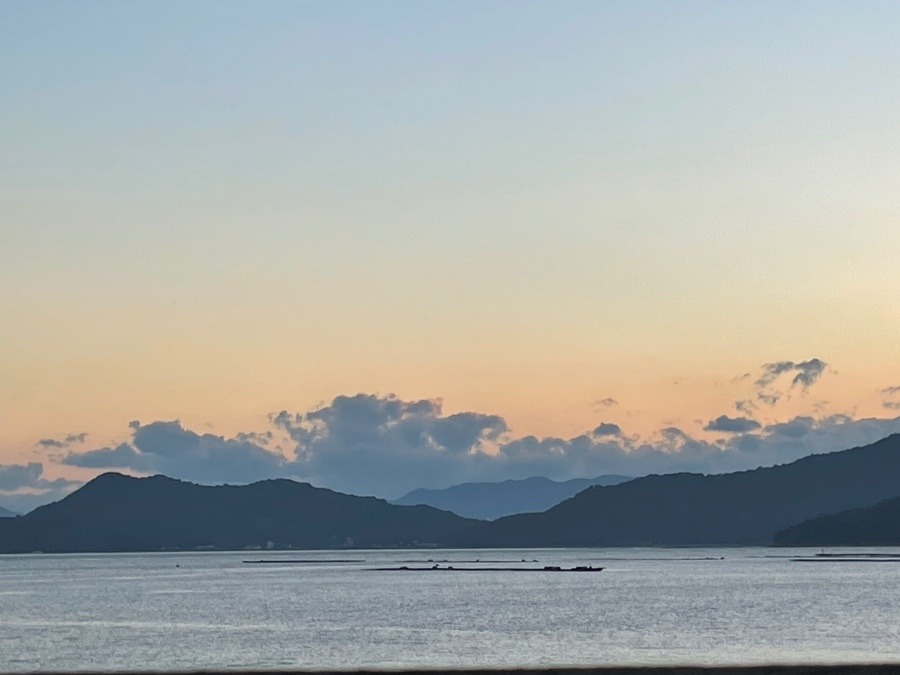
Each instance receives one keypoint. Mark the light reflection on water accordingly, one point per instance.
(650, 606)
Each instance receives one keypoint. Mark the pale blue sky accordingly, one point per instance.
(214, 210)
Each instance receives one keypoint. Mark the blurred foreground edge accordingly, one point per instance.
(843, 669)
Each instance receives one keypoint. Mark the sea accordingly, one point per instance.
(328, 610)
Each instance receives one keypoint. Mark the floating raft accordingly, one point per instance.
(437, 568)
(467, 562)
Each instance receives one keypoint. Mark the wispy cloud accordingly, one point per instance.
(65, 442)
(891, 398)
(604, 403)
(805, 372)
(765, 390)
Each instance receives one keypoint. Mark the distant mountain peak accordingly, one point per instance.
(488, 501)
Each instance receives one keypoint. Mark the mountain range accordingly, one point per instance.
(488, 501)
(780, 504)
(743, 508)
(6, 513)
(120, 513)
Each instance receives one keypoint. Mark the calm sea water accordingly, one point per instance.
(650, 606)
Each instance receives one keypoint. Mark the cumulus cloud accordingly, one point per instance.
(368, 443)
(732, 425)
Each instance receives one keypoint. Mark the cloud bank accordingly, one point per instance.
(383, 445)
(387, 446)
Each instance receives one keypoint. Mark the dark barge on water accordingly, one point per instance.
(451, 568)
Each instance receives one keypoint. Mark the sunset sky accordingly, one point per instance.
(494, 221)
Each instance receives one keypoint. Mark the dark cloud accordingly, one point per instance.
(14, 477)
(806, 372)
(463, 431)
(17, 476)
(607, 429)
(732, 425)
(66, 442)
(771, 372)
(123, 456)
(263, 438)
(891, 405)
(746, 406)
(605, 402)
(891, 390)
(796, 428)
(767, 392)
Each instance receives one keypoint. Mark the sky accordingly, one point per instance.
(381, 246)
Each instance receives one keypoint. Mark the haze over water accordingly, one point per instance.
(650, 606)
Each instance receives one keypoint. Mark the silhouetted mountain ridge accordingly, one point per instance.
(121, 513)
(6, 513)
(877, 525)
(743, 508)
(487, 501)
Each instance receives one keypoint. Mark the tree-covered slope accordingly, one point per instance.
(120, 513)
(747, 507)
